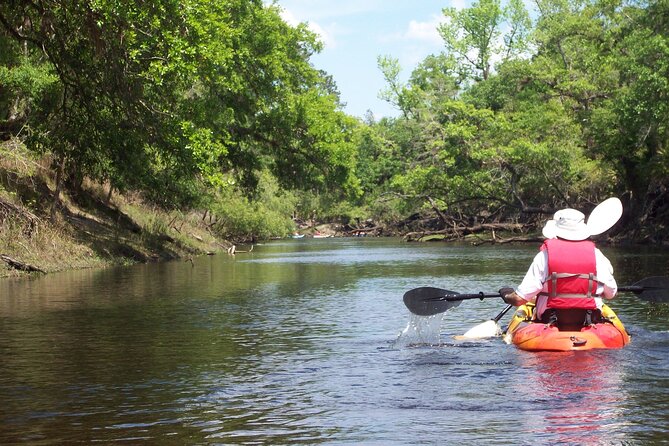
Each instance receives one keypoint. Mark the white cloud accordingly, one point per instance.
(459, 4)
(415, 31)
(289, 17)
(424, 31)
(327, 9)
(327, 34)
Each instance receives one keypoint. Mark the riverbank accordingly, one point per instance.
(87, 229)
(98, 235)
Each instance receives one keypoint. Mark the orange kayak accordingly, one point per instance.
(536, 336)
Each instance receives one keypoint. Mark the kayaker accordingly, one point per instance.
(569, 276)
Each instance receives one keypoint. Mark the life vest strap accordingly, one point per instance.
(592, 285)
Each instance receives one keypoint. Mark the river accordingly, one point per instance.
(298, 342)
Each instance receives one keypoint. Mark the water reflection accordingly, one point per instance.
(579, 395)
(297, 343)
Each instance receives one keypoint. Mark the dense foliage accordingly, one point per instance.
(564, 112)
(172, 98)
(216, 105)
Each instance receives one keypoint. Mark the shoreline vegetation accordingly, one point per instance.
(93, 228)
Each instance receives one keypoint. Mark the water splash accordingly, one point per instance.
(420, 330)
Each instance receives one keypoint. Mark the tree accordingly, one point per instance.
(629, 127)
(172, 97)
(473, 36)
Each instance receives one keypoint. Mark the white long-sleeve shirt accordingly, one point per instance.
(536, 276)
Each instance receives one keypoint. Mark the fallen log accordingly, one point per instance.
(20, 265)
(457, 232)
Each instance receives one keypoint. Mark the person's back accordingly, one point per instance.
(568, 277)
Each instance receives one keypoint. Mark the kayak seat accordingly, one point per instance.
(572, 319)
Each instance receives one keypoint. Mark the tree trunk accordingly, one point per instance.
(60, 171)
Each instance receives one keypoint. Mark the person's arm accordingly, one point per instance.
(511, 297)
(532, 283)
(607, 282)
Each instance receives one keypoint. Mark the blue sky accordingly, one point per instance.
(356, 32)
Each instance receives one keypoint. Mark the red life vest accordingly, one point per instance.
(572, 269)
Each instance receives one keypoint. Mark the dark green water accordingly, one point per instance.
(295, 343)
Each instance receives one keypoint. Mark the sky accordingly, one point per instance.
(355, 32)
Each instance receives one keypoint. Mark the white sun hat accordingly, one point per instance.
(568, 224)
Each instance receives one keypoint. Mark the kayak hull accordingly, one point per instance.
(536, 336)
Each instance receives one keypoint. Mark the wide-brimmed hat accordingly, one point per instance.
(568, 224)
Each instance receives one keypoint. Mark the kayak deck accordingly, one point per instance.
(537, 336)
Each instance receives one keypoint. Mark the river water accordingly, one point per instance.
(298, 342)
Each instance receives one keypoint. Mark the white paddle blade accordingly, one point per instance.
(605, 215)
(488, 329)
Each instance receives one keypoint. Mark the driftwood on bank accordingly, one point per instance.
(501, 241)
(364, 231)
(459, 231)
(20, 265)
(233, 250)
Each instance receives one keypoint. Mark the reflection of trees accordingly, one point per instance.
(100, 345)
(581, 393)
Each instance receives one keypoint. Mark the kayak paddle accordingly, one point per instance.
(652, 289)
(427, 301)
(604, 216)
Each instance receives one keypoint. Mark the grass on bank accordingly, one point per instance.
(87, 231)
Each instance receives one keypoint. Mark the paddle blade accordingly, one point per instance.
(653, 289)
(604, 216)
(419, 302)
(488, 329)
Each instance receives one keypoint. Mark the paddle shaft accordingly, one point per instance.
(427, 301)
(502, 313)
(458, 297)
(482, 295)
